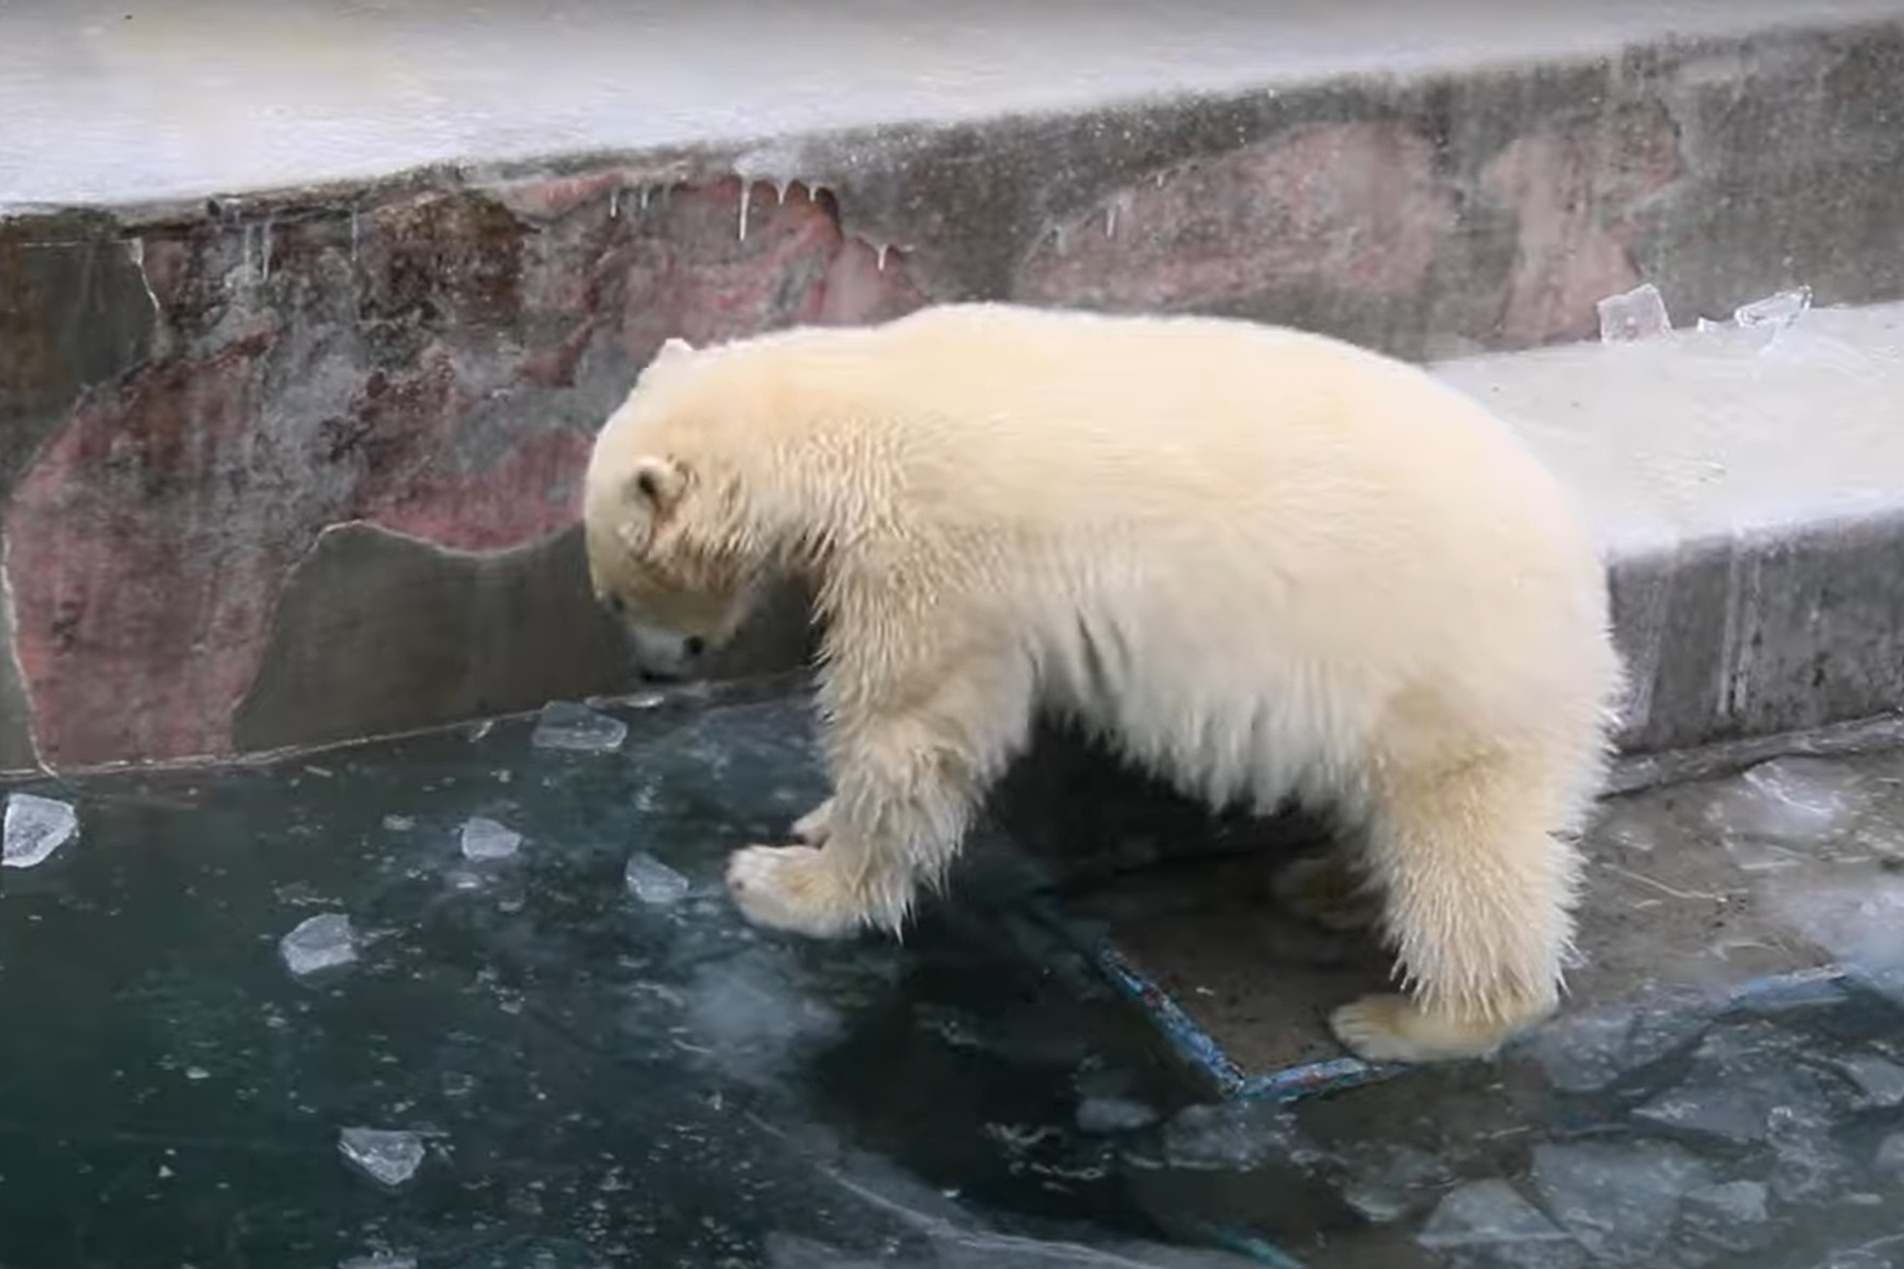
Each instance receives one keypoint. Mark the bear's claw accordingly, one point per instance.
(813, 828)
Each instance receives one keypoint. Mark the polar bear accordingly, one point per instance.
(1263, 563)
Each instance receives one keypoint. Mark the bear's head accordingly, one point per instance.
(665, 553)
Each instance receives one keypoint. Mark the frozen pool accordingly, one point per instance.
(519, 1026)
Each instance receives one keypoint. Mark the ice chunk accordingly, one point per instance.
(1618, 1201)
(1879, 1084)
(379, 1260)
(1737, 1079)
(1775, 311)
(387, 1156)
(1859, 921)
(1390, 1182)
(1888, 1161)
(567, 725)
(486, 839)
(1491, 1214)
(1231, 1136)
(1730, 1217)
(751, 1014)
(1788, 801)
(1808, 1166)
(1589, 1052)
(1102, 1115)
(653, 882)
(1633, 315)
(317, 943)
(35, 827)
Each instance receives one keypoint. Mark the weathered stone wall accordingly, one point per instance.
(301, 467)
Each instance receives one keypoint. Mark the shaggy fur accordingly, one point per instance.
(1262, 563)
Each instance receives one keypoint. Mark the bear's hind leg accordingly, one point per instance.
(1477, 894)
(907, 783)
(1329, 889)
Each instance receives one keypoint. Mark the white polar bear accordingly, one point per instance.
(1262, 563)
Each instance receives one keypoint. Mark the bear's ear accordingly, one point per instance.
(656, 482)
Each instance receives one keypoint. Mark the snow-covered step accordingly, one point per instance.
(1748, 485)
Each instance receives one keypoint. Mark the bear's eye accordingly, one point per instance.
(694, 645)
(615, 604)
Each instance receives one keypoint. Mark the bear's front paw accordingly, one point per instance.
(791, 888)
(813, 828)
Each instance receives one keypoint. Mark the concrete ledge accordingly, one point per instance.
(1750, 496)
(191, 99)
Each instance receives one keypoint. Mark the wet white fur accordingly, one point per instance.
(1263, 563)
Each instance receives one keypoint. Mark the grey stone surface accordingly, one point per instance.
(74, 311)
(378, 633)
(17, 751)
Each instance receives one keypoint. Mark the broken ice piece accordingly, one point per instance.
(651, 881)
(320, 942)
(486, 839)
(1776, 311)
(1107, 1115)
(1633, 315)
(566, 725)
(1482, 1213)
(379, 1260)
(385, 1156)
(35, 828)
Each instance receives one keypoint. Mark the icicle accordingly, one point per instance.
(135, 247)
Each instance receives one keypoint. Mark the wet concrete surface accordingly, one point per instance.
(1693, 891)
(592, 1073)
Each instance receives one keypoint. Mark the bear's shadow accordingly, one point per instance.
(1186, 894)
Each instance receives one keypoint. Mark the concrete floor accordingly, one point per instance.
(137, 100)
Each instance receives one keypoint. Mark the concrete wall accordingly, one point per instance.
(302, 466)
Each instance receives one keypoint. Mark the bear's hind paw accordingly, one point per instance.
(1394, 1028)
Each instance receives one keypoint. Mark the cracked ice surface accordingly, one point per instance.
(549, 1069)
(584, 1057)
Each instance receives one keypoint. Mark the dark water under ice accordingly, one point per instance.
(600, 1077)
